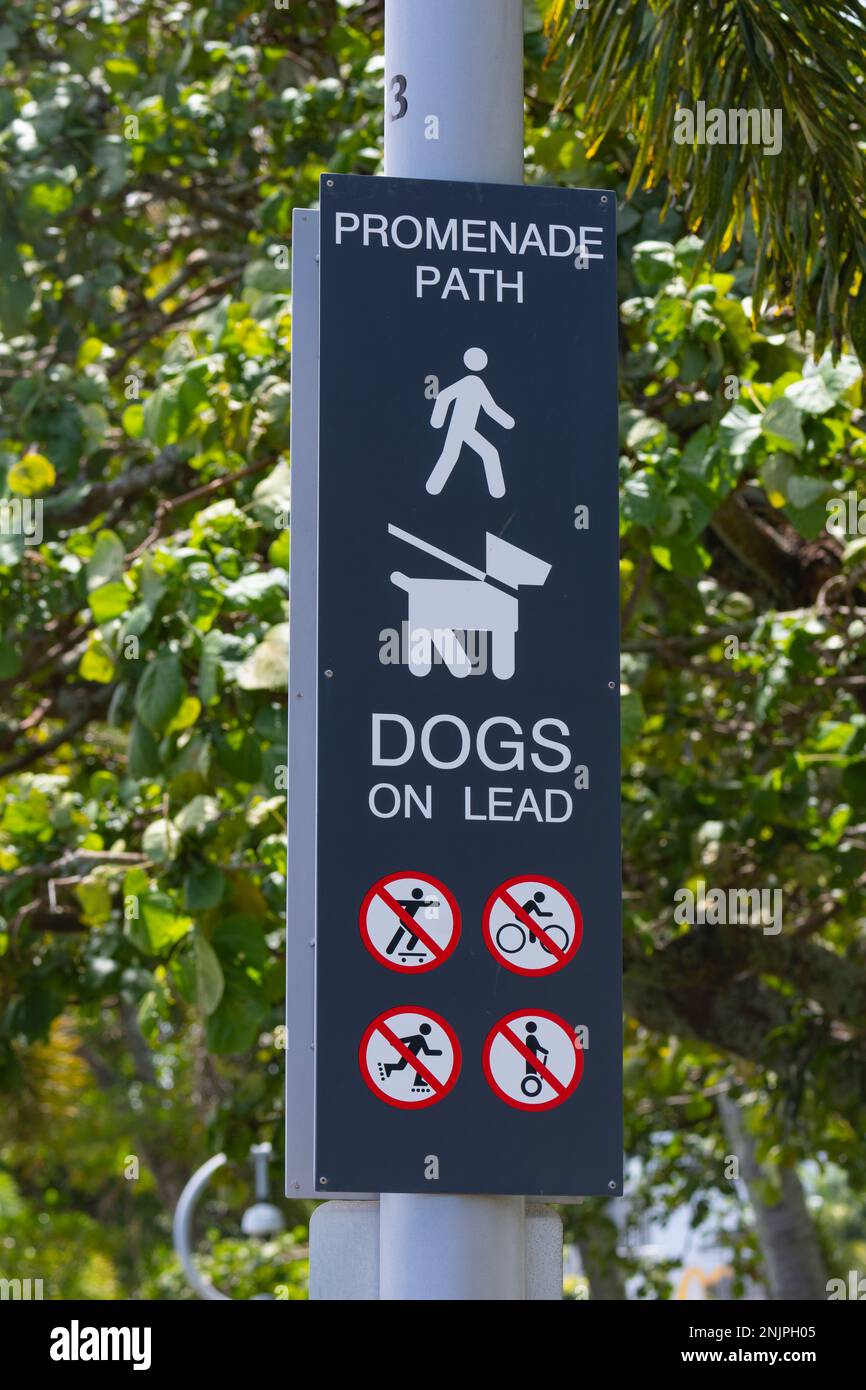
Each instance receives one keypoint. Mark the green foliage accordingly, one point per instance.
(149, 167)
(275, 1268)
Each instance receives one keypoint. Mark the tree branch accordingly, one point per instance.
(170, 504)
(74, 506)
(96, 700)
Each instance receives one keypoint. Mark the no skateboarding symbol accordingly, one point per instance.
(532, 1060)
(410, 922)
(410, 1057)
(532, 926)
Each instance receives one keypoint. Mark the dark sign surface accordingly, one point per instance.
(468, 1018)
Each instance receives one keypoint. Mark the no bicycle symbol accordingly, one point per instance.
(409, 1057)
(532, 1060)
(410, 922)
(532, 926)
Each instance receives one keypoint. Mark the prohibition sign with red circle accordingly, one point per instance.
(382, 917)
(409, 1017)
(548, 942)
(504, 1033)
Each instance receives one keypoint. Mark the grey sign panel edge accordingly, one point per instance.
(300, 1180)
(301, 858)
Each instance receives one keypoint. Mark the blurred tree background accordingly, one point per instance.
(150, 155)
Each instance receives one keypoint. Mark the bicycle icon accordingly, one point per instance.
(532, 925)
(511, 938)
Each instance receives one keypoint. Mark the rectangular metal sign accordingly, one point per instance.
(468, 1018)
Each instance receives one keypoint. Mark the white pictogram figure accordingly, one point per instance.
(438, 607)
(470, 397)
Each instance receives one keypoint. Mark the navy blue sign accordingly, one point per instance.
(468, 1018)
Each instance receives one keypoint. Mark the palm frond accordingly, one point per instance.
(633, 63)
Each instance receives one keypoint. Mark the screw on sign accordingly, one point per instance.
(410, 1057)
(410, 922)
(532, 1060)
(532, 926)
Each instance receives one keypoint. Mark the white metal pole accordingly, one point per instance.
(454, 90)
(453, 110)
(471, 1249)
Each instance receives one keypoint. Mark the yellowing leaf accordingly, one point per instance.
(95, 898)
(251, 338)
(132, 420)
(96, 664)
(186, 715)
(34, 473)
(90, 351)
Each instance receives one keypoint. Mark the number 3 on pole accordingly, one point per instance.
(398, 92)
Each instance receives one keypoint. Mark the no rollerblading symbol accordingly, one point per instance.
(532, 1061)
(532, 926)
(410, 922)
(410, 1058)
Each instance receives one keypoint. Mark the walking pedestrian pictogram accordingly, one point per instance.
(532, 925)
(532, 1060)
(410, 1057)
(468, 397)
(410, 922)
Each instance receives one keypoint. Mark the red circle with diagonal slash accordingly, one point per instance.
(440, 1088)
(561, 957)
(550, 1077)
(440, 953)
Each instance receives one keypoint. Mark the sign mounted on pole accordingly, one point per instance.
(467, 741)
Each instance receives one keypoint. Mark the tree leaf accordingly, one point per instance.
(208, 975)
(810, 395)
(197, 814)
(782, 421)
(267, 666)
(203, 887)
(235, 1023)
(106, 562)
(161, 841)
(161, 921)
(143, 757)
(160, 693)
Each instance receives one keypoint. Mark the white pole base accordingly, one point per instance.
(436, 1249)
